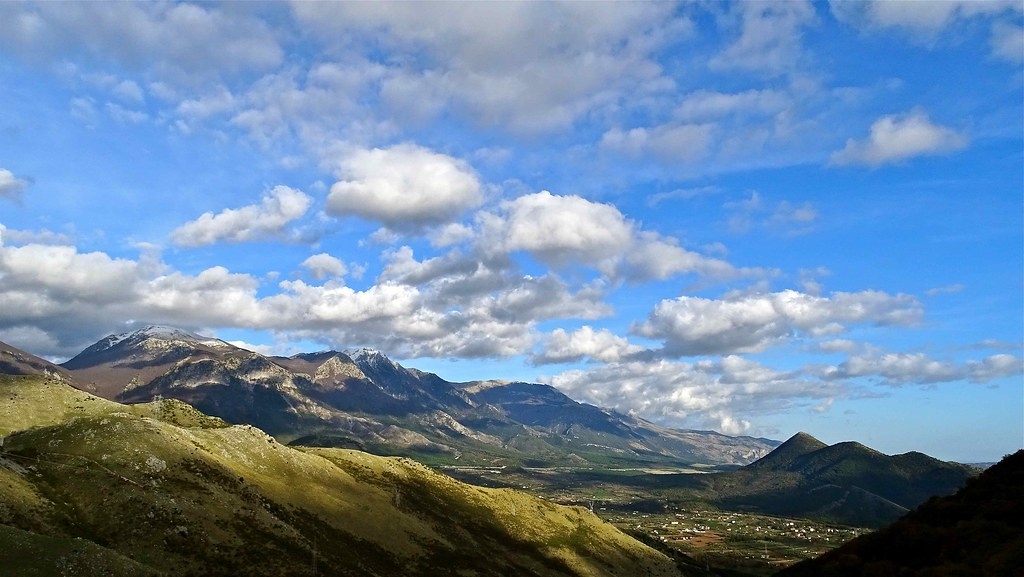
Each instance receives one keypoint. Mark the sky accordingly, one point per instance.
(756, 218)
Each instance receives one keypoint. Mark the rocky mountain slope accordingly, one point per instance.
(977, 531)
(89, 486)
(361, 399)
(14, 361)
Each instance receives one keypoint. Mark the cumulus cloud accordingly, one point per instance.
(571, 230)
(323, 266)
(723, 395)
(504, 64)
(10, 186)
(898, 369)
(923, 20)
(404, 187)
(692, 326)
(995, 367)
(600, 345)
(73, 296)
(279, 207)
(560, 229)
(671, 142)
(44, 236)
(174, 39)
(769, 41)
(457, 305)
(1008, 42)
(897, 138)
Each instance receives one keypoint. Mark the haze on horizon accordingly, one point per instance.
(752, 217)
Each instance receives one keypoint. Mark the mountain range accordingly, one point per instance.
(92, 487)
(146, 448)
(361, 399)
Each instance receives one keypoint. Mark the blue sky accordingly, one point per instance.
(757, 218)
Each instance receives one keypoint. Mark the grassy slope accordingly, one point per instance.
(27, 554)
(171, 488)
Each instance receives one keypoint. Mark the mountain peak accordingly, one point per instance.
(163, 331)
(803, 438)
(796, 446)
(158, 332)
(364, 354)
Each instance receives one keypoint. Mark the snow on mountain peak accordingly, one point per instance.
(366, 355)
(156, 332)
(165, 332)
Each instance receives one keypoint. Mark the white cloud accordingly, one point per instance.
(44, 236)
(1008, 42)
(782, 218)
(560, 229)
(709, 105)
(183, 43)
(531, 299)
(600, 345)
(505, 64)
(11, 186)
(571, 230)
(653, 257)
(185, 299)
(670, 142)
(724, 395)
(405, 187)
(452, 307)
(769, 43)
(923, 19)
(899, 369)
(897, 138)
(323, 266)
(61, 272)
(128, 90)
(949, 289)
(402, 266)
(995, 367)
(750, 323)
(279, 207)
(927, 23)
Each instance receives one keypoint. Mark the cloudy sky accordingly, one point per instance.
(757, 218)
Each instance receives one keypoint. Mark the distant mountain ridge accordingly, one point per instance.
(846, 482)
(362, 399)
(14, 361)
(977, 531)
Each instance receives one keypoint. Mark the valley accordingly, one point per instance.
(162, 448)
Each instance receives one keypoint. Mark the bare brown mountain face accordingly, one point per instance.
(14, 361)
(361, 399)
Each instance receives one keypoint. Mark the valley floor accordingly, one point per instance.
(700, 536)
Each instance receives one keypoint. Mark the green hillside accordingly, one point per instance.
(978, 531)
(845, 483)
(166, 487)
